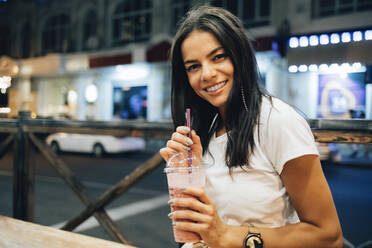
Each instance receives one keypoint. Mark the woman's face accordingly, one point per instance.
(209, 69)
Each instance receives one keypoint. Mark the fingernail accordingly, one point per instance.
(186, 129)
(189, 141)
(170, 201)
(174, 223)
(182, 188)
(186, 148)
(174, 151)
(170, 214)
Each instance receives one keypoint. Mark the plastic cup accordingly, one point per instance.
(181, 174)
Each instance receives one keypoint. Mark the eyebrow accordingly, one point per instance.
(208, 55)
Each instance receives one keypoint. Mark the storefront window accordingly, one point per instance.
(131, 22)
(253, 13)
(90, 39)
(324, 8)
(341, 95)
(4, 40)
(180, 7)
(26, 40)
(56, 34)
(130, 102)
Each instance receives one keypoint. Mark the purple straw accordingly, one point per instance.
(188, 119)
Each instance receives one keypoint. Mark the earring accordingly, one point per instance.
(243, 97)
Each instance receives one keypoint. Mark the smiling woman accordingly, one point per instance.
(262, 165)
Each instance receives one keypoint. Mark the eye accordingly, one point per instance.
(219, 57)
(192, 67)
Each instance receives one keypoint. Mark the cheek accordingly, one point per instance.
(194, 83)
(229, 68)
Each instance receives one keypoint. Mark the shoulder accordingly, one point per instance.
(276, 113)
(284, 134)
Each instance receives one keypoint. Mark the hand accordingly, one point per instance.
(201, 215)
(180, 142)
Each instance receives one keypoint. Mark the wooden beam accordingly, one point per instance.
(156, 130)
(79, 189)
(115, 191)
(4, 129)
(5, 144)
(333, 136)
(8, 125)
(20, 234)
(145, 133)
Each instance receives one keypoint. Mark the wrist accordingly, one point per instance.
(233, 237)
(223, 240)
(253, 239)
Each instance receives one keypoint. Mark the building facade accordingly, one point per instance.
(101, 59)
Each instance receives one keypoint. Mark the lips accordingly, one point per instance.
(216, 86)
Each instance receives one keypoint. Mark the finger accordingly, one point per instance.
(191, 203)
(195, 137)
(183, 130)
(176, 146)
(167, 153)
(198, 192)
(190, 215)
(191, 226)
(197, 146)
(183, 139)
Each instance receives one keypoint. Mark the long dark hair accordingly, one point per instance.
(243, 105)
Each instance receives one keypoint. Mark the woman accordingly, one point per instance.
(265, 186)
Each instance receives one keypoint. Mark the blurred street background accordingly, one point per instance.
(141, 213)
(108, 61)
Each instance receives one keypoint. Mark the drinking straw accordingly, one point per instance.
(188, 119)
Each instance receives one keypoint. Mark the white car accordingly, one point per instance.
(96, 144)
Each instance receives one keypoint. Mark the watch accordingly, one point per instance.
(253, 240)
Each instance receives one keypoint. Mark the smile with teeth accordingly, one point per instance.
(216, 87)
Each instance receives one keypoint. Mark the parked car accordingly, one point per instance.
(95, 144)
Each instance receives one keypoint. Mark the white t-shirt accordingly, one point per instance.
(256, 195)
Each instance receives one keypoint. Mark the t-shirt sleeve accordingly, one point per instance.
(286, 136)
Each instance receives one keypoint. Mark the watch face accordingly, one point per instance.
(254, 241)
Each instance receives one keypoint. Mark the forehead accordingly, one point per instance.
(198, 43)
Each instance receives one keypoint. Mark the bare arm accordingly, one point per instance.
(309, 192)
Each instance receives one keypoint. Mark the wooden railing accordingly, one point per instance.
(20, 234)
(24, 132)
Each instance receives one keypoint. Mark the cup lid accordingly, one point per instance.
(181, 169)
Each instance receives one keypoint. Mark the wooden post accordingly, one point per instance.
(23, 174)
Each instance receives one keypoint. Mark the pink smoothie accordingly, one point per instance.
(182, 236)
(184, 177)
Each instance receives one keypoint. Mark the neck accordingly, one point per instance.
(221, 131)
(222, 112)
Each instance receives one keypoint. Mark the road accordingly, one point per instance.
(141, 213)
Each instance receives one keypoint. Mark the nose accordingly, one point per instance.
(208, 72)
